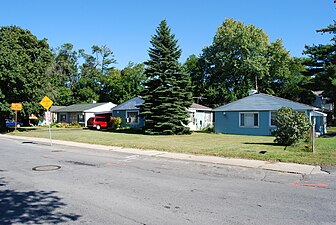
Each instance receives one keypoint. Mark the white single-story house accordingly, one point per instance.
(82, 112)
(254, 114)
(200, 117)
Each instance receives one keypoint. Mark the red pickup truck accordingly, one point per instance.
(97, 122)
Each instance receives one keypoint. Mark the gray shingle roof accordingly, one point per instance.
(262, 102)
(54, 108)
(131, 104)
(199, 107)
(79, 107)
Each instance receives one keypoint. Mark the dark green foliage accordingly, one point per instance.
(167, 92)
(291, 126)
(24, 61)
(123, 85)
(91, 83)
(321, 64)
(64, 75)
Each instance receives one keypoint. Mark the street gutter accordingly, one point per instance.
(248, 163)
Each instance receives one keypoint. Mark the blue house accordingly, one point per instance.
(129, 113)
(254, 114)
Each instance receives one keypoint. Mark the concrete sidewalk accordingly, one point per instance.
(258, 164)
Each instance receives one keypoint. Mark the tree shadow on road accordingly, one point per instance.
(32, 207)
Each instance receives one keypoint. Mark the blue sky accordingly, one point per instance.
(126, 26)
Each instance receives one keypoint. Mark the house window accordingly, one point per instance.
(132, 117)
(272, 119)
(62, 118)
(192, 118)
(249, 120)
(207, 117)
(80, 118)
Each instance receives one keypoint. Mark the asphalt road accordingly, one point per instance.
(42, 184)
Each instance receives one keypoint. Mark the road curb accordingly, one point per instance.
(248, 163)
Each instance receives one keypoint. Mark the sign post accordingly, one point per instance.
(313, 131)
(47, 103)
(16, 107)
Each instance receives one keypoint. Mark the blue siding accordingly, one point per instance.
(229, 124)
(122, 115)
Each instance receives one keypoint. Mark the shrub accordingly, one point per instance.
(74, 125)
(58, 125)
(291, 126)
(209, 128)
(115, 123)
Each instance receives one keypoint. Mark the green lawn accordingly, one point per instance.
(237, 146)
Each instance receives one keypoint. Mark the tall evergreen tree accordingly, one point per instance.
(321, 64)
(167, 92)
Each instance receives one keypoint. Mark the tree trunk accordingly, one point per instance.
(3, 128)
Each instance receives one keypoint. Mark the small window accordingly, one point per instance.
(132, 117)
(62, 118)
(80, 118)
(272, 119)
(208, 117)
(249, 120)
(192, 118)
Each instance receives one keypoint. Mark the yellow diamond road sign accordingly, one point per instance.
(46, 102)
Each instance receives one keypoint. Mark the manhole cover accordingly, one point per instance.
(46, 168)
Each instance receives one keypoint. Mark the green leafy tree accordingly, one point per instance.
(194, 67)
(91, 84)
(125, 84)
(236, 58)
(64, 75)
(321, 64)
(240, 58)
(23, 63)
(291, 126)
(297, 86)
(167, 92)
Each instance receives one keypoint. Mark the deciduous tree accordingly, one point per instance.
(23, 63)
(240, 58)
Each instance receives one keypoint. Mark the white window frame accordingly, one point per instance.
(129, 117)
(270, 118)
(240, 113)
